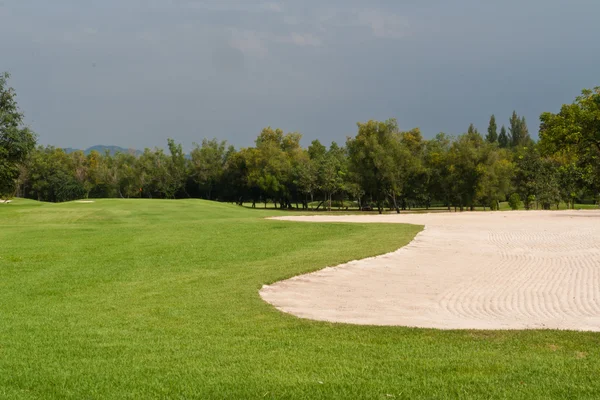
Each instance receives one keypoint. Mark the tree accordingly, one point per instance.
(307, 177)
(571, 181)
(575, 132)
(410, 176)
(16, 141)
(577, 125)
(547, 184)
(467, 167)
(316, 150)
(528, 164)
(519, 133)
(492, 136)
(515, 129)
(495, 183)
(82, 171)
(436, 158)
(371, 157)
(235, 174)
(157, 173)
(503, 139)
(176, 169)
(514, 201)
(525, 137)
(52, 176)
(208, 163)
(472, 130)
(269, 167)
(128, 184)
(331, 172)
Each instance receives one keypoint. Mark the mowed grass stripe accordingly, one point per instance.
(159, 299)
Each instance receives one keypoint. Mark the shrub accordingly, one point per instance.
(514, 201)
(530, 201)
(494, 205)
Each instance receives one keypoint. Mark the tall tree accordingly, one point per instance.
(16, 141)
(515, 129)
(269, 167)
(331, 172)
(436, 158)
(519, 133)
(176, 169)
(525, 137)
(503, 139)
(472, 130)
(492, 136)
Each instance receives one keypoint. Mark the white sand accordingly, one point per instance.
(502, 270)
(5, 201)
(85, 201)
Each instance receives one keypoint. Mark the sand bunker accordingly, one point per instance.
(85, 201)
(502, 270)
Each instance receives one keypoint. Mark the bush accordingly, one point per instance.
(514, 201)
(530, 201)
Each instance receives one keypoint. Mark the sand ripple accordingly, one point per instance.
(503, 270)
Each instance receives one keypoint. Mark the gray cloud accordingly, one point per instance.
(134, 72)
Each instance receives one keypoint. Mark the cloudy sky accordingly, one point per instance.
(135, 72)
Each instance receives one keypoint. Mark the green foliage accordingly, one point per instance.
(374, 156)
(16, 141)
(514, 201)
(380, 165)
(530, 201)
(536, 177)
(519, 133)
(208, 163)
(492, 135)
(472, 130)
(503, 139)
(574, 135)
(53, 177)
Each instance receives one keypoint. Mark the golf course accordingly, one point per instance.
(131, 299)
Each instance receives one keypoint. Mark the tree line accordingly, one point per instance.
(380, 167)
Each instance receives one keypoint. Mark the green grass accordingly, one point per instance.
(159, 299)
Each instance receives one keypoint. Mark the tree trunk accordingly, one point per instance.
(395, 205)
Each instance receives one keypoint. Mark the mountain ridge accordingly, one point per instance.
(102, 149)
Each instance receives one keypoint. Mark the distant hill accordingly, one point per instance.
(102, 149)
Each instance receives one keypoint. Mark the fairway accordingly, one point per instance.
(512, 270)
(130, 299)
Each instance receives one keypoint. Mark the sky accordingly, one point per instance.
(133, 73)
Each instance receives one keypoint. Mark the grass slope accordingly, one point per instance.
(159, 299)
